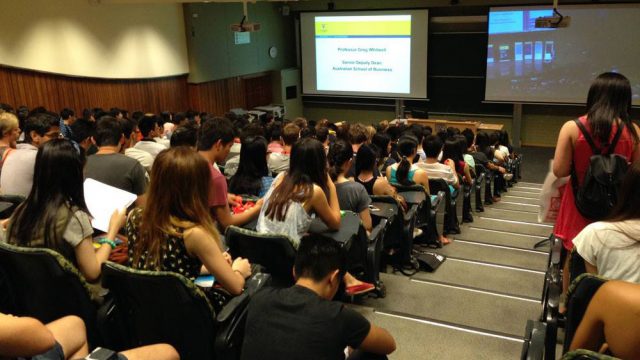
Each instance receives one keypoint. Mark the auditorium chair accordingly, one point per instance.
(41, 283)
(480, 180)
(451, 223)
(577, 265)
(551, 296)
(275, 253)
(9, 204)
(580, 293)
(467, 216)
(165, 307)
(533, 345)
(581, 354)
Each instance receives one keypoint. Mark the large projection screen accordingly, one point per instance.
(530, 65)
(365, 53)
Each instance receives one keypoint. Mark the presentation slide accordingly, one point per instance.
(365, 53)
(526, 64)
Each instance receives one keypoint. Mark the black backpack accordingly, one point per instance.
(598, 192)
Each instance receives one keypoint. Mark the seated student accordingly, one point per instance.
(352, 195)
(174, 231)
(383, 142)
(110, 166)
(469, 136)
(55, 215)
(301, 322)
(150, 130)
(252, 176)
(274, 135)
(611, 248)
(18, 166)
(67, 118)
(405, 172)
(215, 138)
(304, 189)
(65, 338)
(82, 134)
(279, 162)
(452, 153)
(9, 133)
(130, 132)
(184, 135)
(365, 165)
(483, 151)
(432, 146)
(358, 135)
(611, 321)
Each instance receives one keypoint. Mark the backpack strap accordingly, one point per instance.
(614, 142)
(595, 149)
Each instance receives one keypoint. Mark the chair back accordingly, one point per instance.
(274, 252)
(580, 293)
(161, 307)
(582, 354)
(42, 284)
(12, 202)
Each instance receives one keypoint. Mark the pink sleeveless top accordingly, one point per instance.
(570, 222)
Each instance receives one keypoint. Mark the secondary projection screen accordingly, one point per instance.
(365, 53)
(525, 64)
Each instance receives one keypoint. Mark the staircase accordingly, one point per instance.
(477, 303)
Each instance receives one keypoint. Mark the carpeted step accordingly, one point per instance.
(507, 214)
(497, 237)
(442, 302)
(516, 227)
(491, 277)
(496, 254)
(520, 200)
(534, 208)
(525, 194)
(418, 338)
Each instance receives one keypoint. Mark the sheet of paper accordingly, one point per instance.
(102, 200)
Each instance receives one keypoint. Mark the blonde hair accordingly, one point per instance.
(8, 122)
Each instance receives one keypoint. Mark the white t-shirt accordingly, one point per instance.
(613, 247)
(144, 158)
(439, 171)
(151, 147)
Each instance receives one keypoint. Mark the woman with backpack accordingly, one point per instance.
(608, 105)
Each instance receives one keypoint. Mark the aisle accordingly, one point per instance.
(477, 303)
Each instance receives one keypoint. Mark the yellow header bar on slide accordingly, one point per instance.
(363, 28)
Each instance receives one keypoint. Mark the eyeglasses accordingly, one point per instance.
(53, 134)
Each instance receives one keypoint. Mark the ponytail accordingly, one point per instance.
(407, 146)
(339, 153)
(402, 172)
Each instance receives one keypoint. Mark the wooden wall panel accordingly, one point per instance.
(24, 87)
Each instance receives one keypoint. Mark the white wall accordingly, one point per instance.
(93, 39)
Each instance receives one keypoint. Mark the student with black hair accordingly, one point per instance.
(130, 132)
(468, 158)
(82, 133)
(150, 130)
(18, 167)
(252, 177)
(184, 135)
(215, 138)
(452, 153)
(365, 166)
(445, 170)
(406, 172)
(301, 322)
(55, 214)
(352, 195)
(110, 166)
(67, 118)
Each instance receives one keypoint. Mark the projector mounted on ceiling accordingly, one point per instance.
(556, 20)
(244, 24)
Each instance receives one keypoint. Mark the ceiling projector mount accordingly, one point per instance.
(244, 24)
(556, 20)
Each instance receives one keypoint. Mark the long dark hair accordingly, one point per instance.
(365, 159)
(339, 153)
(57, 186)
(609, 99)
(452, 150)
(407, 146)
(628, 196)
(307, 166)
(252, 167)
(483, 144)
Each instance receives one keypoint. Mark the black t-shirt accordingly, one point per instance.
(296, 323)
